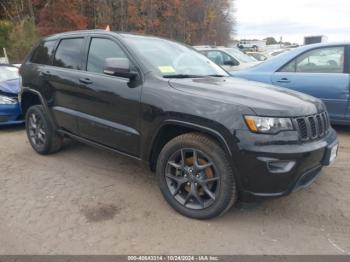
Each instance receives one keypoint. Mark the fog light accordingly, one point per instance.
(278, 166)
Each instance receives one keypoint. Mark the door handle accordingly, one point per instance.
(85, 81)
(46, 73)
(283, 80)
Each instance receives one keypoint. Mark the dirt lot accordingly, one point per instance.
(86, 201)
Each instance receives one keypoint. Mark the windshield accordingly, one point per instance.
(242, 57)
(172, 59)
(8, 73)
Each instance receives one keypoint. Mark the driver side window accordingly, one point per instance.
(321, 60)
(100, 49)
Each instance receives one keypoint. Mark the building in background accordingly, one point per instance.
(308, 40)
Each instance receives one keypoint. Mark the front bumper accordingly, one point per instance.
(10, 114)
(258, 181)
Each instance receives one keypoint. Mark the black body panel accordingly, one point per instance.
(126, 115)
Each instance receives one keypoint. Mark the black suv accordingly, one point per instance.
(212, 139)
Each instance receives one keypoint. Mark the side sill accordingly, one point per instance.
(94, 144)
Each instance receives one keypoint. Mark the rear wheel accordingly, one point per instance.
(41, 134)
(196, 177)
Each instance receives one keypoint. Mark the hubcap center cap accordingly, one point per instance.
(189, 171)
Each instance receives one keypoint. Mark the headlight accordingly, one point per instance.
(268, 125)
(7, 100)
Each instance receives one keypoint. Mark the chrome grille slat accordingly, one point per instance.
(319, 125)
(312, 127)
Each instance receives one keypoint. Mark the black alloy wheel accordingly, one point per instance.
(192, 178)
(36, 131)
(196, 176)
(41, 134)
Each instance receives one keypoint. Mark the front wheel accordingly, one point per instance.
(195, 176)
(41, 134)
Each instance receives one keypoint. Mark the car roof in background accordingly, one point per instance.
(213, 48)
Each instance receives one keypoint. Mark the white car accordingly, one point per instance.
(231, 59)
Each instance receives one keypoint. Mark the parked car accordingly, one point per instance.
(254, 45)
(318, 70)
(231, 59)
(211, 138)
(259, 56)
(10, 110)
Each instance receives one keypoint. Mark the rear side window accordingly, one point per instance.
(100, 49)
(68, 53)
(43, 53)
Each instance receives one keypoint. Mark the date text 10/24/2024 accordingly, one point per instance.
(173, 258)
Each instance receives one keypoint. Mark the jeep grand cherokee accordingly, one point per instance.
(211, 139)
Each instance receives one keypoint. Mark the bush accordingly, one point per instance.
(21, 39)
(5, 30)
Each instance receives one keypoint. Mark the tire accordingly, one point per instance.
(40, 132)
(189, 197)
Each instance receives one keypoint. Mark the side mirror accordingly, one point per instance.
(230, 63)
(118, 67)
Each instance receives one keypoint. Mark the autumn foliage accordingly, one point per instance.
(191, 21)
(58, 16)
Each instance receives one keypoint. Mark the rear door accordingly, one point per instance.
(320, 72)
(109, 106)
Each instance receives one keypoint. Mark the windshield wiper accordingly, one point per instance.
(217, 75)
(182, 76)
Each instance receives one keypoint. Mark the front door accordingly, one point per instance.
(320, 73)
(109, 106)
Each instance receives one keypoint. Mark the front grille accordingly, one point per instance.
(313, 127)
(4, 118)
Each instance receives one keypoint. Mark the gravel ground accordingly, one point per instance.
(86, 201)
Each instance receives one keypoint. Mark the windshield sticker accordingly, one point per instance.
(166, 69)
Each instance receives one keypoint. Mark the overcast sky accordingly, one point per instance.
(293, 19)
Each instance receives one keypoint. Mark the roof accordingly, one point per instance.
(326, 44)
(82, 32)
(209, 47)
(58, 35)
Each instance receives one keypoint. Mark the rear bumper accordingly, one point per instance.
(258, 181)
(10, 115)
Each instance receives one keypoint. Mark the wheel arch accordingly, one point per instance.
(30, 97)
(173, 128)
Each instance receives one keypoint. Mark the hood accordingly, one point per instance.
(10, 86)
(263, 99)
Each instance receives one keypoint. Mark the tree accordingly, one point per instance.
(271, 41)
(59, 16)
(191, 21)
(6, 27)
(22, 37)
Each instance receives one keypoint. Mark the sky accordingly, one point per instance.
(293, 19)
